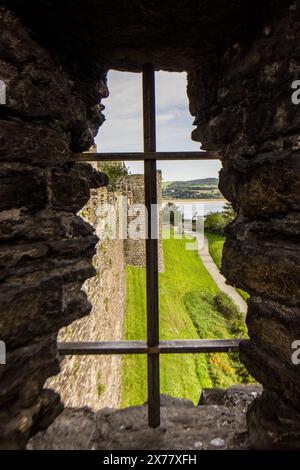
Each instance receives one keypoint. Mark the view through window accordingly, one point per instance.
(194, 300)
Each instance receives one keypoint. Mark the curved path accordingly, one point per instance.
(213, 270)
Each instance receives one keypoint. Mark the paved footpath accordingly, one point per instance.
(213, 270)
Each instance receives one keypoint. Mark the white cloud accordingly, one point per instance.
(123, 130)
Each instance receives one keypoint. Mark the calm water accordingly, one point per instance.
(199, 205)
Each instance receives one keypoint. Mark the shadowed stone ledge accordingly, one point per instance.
(183, 426)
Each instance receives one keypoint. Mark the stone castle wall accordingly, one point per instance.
(135, 249)
(243, 108)
(46, 248)
(95, 381)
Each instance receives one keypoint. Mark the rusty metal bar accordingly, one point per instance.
(141, 156)
(149, 128)
(83, 348)
(199, 346)
(193, 346)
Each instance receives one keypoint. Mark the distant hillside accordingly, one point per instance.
(203, 188)
(201, 182)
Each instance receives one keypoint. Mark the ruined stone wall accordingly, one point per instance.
(95, 381)
(135, 249)
(242, 107)
(47, 249)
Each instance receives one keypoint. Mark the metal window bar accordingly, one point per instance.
(153, 347)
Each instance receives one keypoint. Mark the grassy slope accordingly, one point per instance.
(181, 316)
(215, 244)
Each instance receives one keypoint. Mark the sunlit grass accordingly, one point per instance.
(183, 315)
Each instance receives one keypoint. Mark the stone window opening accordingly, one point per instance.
(240, 63)
(185, 345)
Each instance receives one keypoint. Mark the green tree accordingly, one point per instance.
(215, 222)
(229, 212)
(115, 173)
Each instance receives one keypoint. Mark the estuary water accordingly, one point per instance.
(202, 206)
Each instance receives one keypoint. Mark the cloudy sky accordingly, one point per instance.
(122, 131)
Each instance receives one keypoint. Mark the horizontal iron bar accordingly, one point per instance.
(140, 347)
(141, 156)
(199, 346)
(103, 347)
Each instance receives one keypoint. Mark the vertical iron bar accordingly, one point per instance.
(151, 244)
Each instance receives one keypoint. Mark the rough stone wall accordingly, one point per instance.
(95, 381)
(135, 249)
(46, 248)
(242, 107)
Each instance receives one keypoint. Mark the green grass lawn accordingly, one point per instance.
(215, 245)
(187, 311)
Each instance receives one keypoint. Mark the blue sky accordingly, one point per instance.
(122, 131)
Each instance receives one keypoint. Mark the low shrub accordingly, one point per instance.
(225, 305)
(217, 317)
(216, 222)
